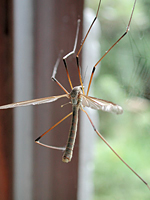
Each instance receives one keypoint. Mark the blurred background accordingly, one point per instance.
(32, 35)
(124, 79)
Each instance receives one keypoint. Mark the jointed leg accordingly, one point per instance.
(114, 150)
(52, 147)
(72, 52)
(55, 71)
(89, 29)
(77, 56)
(127, 29)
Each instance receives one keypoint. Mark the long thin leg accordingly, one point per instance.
(55, 71)
(79, 72)
(77, 56)
(127, 29)
(48, 146)
(114, 150)
(72, 52)
(83, 41)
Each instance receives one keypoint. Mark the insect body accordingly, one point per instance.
(76, 99)
(79, 101)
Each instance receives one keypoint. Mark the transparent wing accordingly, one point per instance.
(34, 101)
(100, 104)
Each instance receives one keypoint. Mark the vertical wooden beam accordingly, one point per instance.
(56, 23)
(6, 96)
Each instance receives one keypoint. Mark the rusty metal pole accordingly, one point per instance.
(6, 96)
(56, 23)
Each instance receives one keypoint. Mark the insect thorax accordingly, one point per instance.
(75, 95)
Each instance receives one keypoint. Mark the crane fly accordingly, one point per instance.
(79, 99)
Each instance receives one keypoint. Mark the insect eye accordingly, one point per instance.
(81, 87)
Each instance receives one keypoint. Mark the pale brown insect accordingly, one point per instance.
(79, 100)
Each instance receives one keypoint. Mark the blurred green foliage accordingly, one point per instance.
(124, 78)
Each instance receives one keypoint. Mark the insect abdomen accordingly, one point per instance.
(72, 136)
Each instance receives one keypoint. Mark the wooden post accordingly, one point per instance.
(6, 96)
(56, 23)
